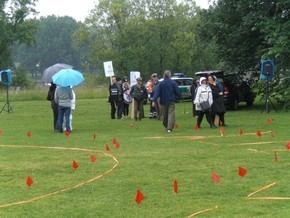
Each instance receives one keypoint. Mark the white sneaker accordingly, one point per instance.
(169, 131)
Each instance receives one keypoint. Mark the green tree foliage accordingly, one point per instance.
(53, 45)
(144, 35)
(246, 31)
(15, 27)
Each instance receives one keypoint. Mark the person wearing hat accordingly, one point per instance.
(154, 111)
(169, 93)
(203, 95)
(138, 92)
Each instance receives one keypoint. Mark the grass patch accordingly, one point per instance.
(146, 162)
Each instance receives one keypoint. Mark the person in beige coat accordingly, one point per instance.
(203, 94)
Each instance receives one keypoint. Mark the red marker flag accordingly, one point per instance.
(215, 178)
(222, 129)
(176, 126)
(95, 136)
(1, 132)
(175, 186)
(29, 181)
(220, 123)
(114, 140)
(288, 146)
(108, 148)
(216, 121)
(117, 145)
(93, 159)
(28, 134)
(75, 165)
(259, 133)
(67, 133)
(272, 134)
(196, 127)
(242, 171)
(241, 132)
(269, 120)
(139, 197)
(275, 156)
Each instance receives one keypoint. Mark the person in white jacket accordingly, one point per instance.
(73, 106)
(203, 94)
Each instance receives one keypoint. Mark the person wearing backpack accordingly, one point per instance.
(138, 93)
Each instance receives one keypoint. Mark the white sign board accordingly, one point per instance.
(133, 76)
(108, 66)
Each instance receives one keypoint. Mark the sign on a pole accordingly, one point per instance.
(133, 77)
(108, 66)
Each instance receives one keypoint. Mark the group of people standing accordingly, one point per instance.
(210, 92)
(163, 96)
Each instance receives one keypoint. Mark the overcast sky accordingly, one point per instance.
(78, 9)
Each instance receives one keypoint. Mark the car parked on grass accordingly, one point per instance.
(236, 88)
(184, 83)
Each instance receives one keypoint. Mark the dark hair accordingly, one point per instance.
(213, 78)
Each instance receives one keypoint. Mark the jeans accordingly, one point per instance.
(63, 112)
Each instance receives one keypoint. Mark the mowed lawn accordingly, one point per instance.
(149, 160)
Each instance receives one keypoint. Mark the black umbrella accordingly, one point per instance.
(50, 71)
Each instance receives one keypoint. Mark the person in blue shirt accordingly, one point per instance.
(168, 92)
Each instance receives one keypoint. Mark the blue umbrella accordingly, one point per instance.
(68, 77)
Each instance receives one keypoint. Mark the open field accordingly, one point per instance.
(149, 159)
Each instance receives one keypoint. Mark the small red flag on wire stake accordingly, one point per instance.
(288, 146)
(175, 186)
(28, 134)
(108, 148)
(93, 158)
(242, 171)
(196, 127)
(259, 133)
(241, 132)
(139, 197)
(269, 121)
(215, 178)
(29, 181)
(94, 136)
(75, 165)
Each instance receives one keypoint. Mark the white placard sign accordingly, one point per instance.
(108, 66)
(133, 76)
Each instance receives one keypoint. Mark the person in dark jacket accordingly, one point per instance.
(113, 98)
(120, 103)
(138, 93)
(54, 105)
(169, 93)
(218, 107)
(193, 89)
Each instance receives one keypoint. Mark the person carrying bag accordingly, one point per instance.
(203, 101)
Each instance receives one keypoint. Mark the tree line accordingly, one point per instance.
(152, 35)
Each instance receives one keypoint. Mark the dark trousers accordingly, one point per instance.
(120, 108)
(113, 108)
(126, 109)
(208, 118)
(221, 118)
(54, 108)
(168, 115)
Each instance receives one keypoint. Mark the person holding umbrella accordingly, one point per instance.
(63, 97)
(54, 106)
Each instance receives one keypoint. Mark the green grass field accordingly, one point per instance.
(149, 159)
